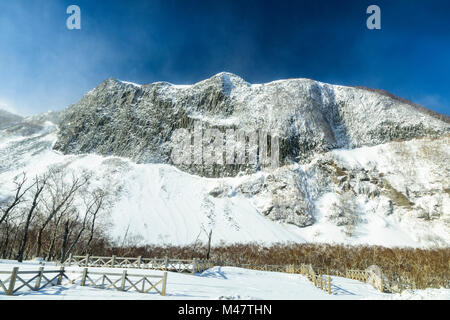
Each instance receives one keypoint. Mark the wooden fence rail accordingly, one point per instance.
(122, 281)
(360, 275)
(166, 264)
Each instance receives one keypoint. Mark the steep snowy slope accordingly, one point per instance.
(357, 166)
(161, 204)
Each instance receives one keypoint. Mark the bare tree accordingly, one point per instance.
(208, 247)
(83, 226)
(40, 185)
(14, 226)
(65, 239)
(61, 195)
(5, 232)
(20, 191)
(196, 243)
(54, 234)
(51, 211)
(101, 201)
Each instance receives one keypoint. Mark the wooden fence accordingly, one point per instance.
(378, 281)
(321, 277)
(39, 279)
(318, 279)
(166, 264)
(122, 281)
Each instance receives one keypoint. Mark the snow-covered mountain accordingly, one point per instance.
(356, 166)
(7, 119)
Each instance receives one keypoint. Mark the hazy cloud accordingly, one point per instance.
(43, 65)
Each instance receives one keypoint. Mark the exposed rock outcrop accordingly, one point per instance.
(310, 117)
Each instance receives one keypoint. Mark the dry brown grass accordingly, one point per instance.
(427, 268)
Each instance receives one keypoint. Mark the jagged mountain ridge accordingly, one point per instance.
(128, 120)
(365, 168)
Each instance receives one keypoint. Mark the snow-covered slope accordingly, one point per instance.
(347, 175)
(7, 118)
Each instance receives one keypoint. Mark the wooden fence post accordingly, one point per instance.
(329, 284)
(86, 263)
(194, 265)
(113, 261)
(84, 276)
(38, 279)
(123, 281)
(139, 261)
(103, 281)
(164, 284)
(60, 277)
(12, 281)
(143, 285)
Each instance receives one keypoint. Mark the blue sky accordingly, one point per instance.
(44, 66)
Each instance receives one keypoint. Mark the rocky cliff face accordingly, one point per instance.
(407, 180)
(309, 117)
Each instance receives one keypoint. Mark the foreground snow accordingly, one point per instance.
(222, 283)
